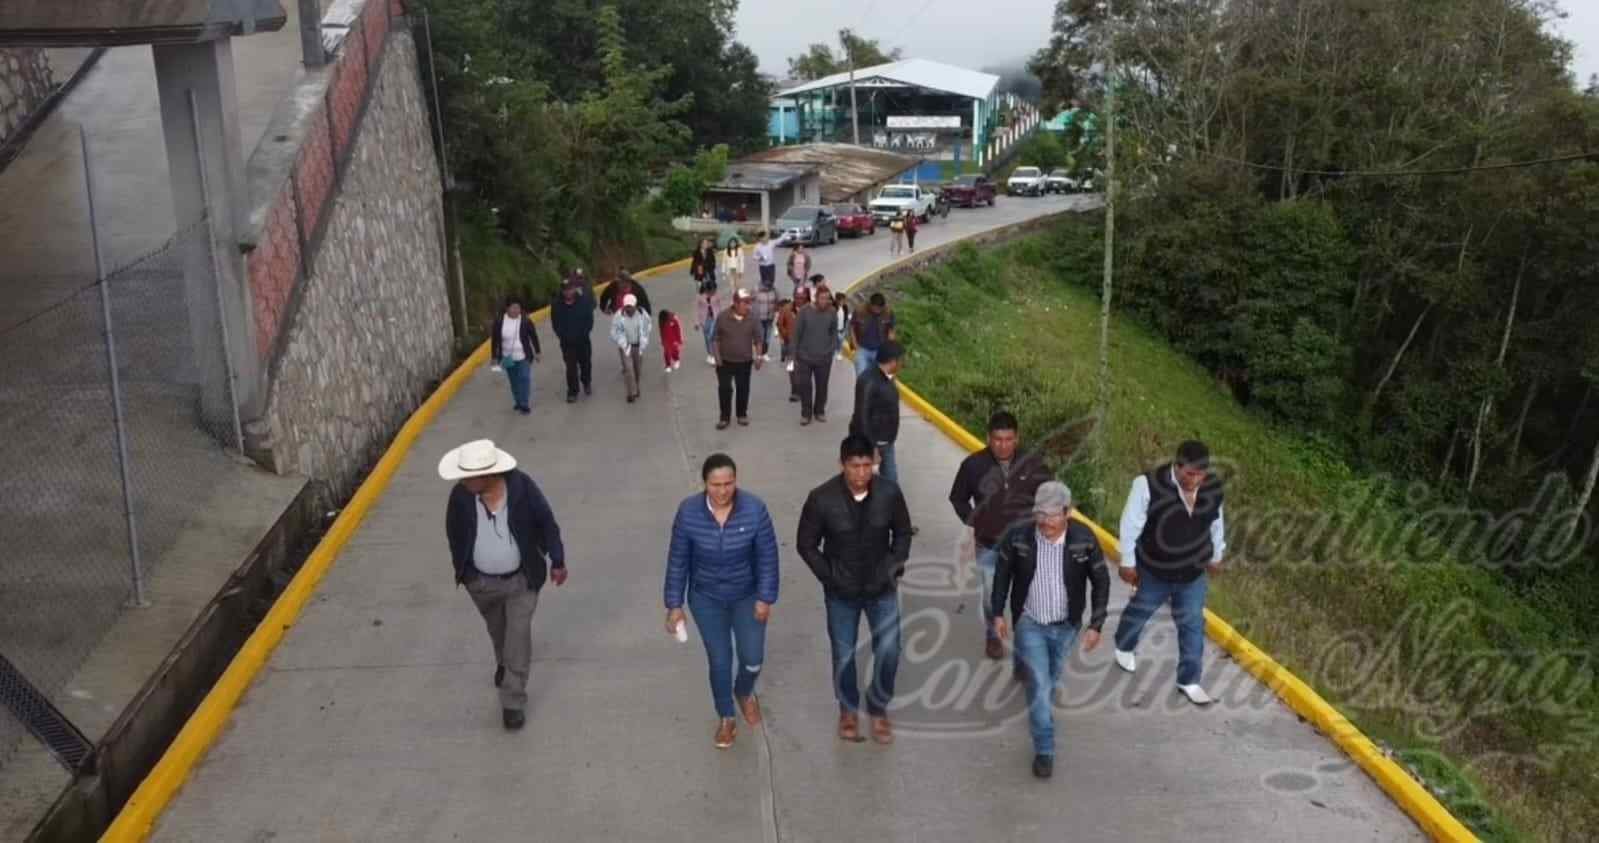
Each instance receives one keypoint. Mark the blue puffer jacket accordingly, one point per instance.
(726, 563)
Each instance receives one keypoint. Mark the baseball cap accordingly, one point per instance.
(744, 293)
(630, 300)
(1052, 497)
(889, 352)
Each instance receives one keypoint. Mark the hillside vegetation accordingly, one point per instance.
(1357, 581)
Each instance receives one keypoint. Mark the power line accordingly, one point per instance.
(1453, 171)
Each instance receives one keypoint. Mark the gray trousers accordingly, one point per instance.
(507, 607)
(631, 370)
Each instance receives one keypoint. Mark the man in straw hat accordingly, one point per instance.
(500, 530)
(1043, 573)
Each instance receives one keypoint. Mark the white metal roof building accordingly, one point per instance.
(916, 106)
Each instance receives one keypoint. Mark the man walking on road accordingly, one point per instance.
(855, 534)
(630, 331)
(1044, 569)
(993, 491)
(500, 530)
(873, 325)
(572, 318)
(766, 260)
(815, 336)
(1172, 541)
(736, 348)
(877, 407)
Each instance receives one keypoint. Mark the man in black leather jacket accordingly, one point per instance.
(855, 534)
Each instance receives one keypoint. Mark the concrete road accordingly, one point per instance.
(376, 719)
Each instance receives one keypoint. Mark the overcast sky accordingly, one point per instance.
(975, 34)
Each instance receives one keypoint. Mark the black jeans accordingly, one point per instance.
(811, 381)
(729, 375)
(579, 358)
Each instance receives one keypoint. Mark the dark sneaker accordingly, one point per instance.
(1043, 766)
(514, 719)
(499, 675)
(571, 398)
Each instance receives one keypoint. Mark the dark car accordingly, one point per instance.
(969, 191)
(812, 225)
(854, 220)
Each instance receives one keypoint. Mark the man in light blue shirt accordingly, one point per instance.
(1173, 538)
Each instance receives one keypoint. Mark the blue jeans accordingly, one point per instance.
(1043, 650)
(520, 374)
(843, 627)
(888, 468)
(710, 336)
(1188, 613)
(722, 624)
(987, 560)
(865, 359)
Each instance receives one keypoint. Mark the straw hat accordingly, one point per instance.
(475, 459)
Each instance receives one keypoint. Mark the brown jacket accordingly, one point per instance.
(785, 322)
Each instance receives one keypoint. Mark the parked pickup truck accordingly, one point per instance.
(1027, 181)
(900, 197)
(969, 191)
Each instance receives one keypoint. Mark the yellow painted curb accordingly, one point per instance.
(1400, 786)
(138, 816)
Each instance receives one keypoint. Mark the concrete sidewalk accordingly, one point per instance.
(376, 720)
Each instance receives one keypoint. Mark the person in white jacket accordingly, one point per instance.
(630, 331)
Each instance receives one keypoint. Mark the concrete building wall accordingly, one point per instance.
(25, 83)
(356, 320)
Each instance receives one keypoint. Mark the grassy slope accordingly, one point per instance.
(1007, 329)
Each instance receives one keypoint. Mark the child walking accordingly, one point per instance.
(671, 340)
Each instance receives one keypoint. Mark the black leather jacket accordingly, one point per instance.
(857, 551)
(1083, 563)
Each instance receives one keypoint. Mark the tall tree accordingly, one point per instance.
(819, 60)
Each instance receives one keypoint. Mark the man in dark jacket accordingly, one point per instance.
(500, 529)
(1173, 537)
(877, 407)
(572, 319)
(855, 534)
(622, 287)
(993, 490)
(1044, 570)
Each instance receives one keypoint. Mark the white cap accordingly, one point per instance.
(629, 300)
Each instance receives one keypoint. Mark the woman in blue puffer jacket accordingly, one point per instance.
(723, 558)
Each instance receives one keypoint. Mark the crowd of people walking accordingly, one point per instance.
(1039, 570)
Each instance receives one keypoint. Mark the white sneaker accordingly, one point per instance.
(1196, 694)
(710, 360)
(668, 370)
(1127, 661)
(839, 356)
(677, 365)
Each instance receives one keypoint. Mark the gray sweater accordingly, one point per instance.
(815, 333)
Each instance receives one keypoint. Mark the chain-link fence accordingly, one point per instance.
(102, 465)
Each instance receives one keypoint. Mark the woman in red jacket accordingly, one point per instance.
(671, 340)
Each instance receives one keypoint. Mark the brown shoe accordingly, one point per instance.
(752, 710)
(849, 727)
(726, 730)
(994, 649)
(882, 731)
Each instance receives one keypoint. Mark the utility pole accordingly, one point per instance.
(847, 37)
(1101, 433)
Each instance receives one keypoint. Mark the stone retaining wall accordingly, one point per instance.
(347, 265)
(25, 83)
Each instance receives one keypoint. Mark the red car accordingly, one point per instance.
(854, 220)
